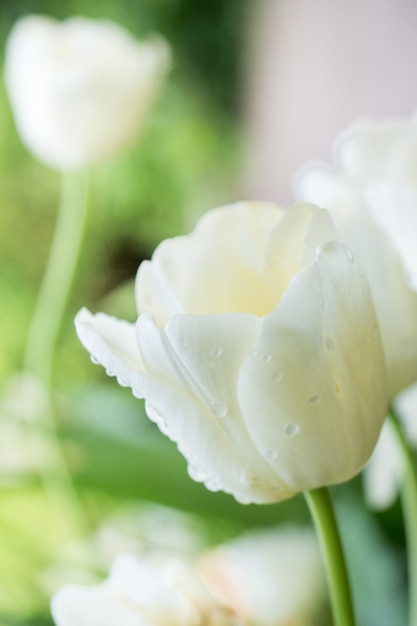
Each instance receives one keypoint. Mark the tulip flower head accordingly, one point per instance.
(136, 594)
(269, 577)
(256, 349)
(80, 89)
(371, 193)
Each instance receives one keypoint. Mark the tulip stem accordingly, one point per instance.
(409, 504)
(58, 277)
(322, 513)
(44, 330)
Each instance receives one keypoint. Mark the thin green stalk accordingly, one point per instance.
(44, 330)
(58, 277)
(323, 516)
(409, 504)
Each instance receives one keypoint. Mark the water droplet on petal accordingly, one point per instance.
(266, 358)
(219, 410)
(217, 352)
(271, 455)
(196, 472)
(291, 429)
(94, 360)
(212, 483)
(330, 345)
(315, 287)
(314, 400)
(276, 377)
(253, 353)
(246, 478)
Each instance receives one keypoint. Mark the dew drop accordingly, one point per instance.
(314, 400)
(276, 377)
(330, 345)
(271, 455)
(219, 410)
(94, 360)
(291, 429)
(163, 426)
(217, 352)
(267, 358)
(212, 483)
(196, 473)
(315, 287)
(253, 353)
(245, 478)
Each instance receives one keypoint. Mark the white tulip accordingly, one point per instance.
(136, 594)
(256, 349)
(79, 89)
(371, 193)
(269, 577)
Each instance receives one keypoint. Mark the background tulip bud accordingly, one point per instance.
(79, 89)
(256, 349)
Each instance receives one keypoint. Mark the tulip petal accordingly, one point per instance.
(319, 183)
(217, 269)
(394, 208)
(374, 149)
(196, 362)
(188, 375)
(384, 473)
(293, 245)
(396, 304)
(75, 605)
(111, 342)
(314, 394)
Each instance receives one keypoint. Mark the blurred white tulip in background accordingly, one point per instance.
(270, 577)
(80, 89)
(136, 594)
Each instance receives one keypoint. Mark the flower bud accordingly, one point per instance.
(79, 89)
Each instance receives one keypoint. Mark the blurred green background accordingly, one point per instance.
(187, 161)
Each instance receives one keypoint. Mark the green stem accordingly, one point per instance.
(58, 277)
(323, 516)
(44, 330)
(409, 504)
